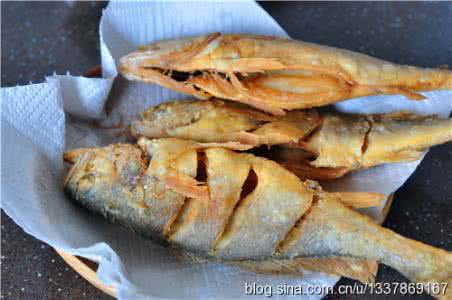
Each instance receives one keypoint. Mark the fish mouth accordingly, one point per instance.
(192, 77)
(72, 156)
(178, 76)
(203, 84)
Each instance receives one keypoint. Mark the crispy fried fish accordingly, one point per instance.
(236, 207)
(315, 145)
(274, 74)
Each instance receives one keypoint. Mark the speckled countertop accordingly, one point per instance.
(40, 38)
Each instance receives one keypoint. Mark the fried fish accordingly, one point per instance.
(312, 144)
(236, 207)
(274, 74)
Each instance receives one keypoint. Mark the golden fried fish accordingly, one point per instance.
(314, 145)
(236, 207)
(274, 74)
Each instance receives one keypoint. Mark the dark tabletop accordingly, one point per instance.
(40, 38)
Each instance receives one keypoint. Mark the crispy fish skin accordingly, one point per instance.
(278, 217)
(332, 144)
(274, 74)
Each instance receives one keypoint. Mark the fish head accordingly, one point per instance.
(171, 63)
(95, 174)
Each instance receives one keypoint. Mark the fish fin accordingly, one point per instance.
(248, 138)
(385, 210)
(187, 186)
(218, 86)
(405, 92)
(360, 199)
(358, 269)
(228, 145)
(402, 115)
(305, 171)
(403, 156)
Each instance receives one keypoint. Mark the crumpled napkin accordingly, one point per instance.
(39, 121)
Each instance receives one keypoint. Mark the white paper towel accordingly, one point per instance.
(35, 131)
